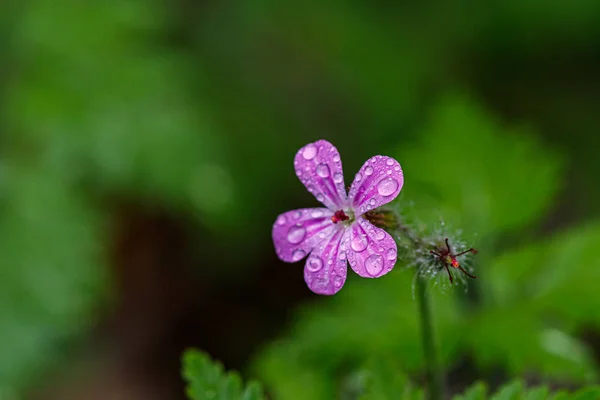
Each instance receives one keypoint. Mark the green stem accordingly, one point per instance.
(435, 379)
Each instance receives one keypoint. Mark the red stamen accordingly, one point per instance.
(339, 216)
(455, 263)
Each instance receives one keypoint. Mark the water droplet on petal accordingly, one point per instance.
(338, 177)
(391, 254)
(309, 152)
(298, 255)
(387, 186)
(336, 158)
(359, 243)
(297, 214)
(380, 235)
(281, 220)
(320, 197)
(296, 234)
(389, 161)
(389, 171)
(369, 171)
(338, 281)
(397, 168)
(323, 170)
(374, 264)
(358, 177)
(314, 264)
(372, 202)
(316, 213)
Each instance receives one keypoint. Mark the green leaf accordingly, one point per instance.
(510, 391)
(207, 380)
(539, 393)
(385, 380)
(590, 393)
(478, 173)
(51, 269)
(478, 391)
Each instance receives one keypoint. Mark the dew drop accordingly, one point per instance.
(374, 264)
(299, 172)
(338, 281)
(314, 264)
(387, 186)
(391, 254)
(316, 213)
(389, 161)
(320, 197)
(309, 152)
(397, 168)
(372, 202)
(359, 243)
(369, 171)
(323, 170)
(389, 171)
(379, 235)
(338, 177)
(358, 177)
(296, 234)
(298, 255)
(281, 220)
(297, 215)
(336, 158)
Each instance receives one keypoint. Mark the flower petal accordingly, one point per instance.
(319, 168)
(296, 233)
(326, 267)
(377, 183)
(372, 252)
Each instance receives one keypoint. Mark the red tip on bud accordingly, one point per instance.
(455, 262)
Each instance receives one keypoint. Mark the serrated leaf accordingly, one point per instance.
(207, 380)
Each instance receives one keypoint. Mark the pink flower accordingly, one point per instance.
(340, 233)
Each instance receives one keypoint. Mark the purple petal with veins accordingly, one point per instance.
(326, 267)
(377, 183)
(372, 252)
(319, 168)
(296, 233)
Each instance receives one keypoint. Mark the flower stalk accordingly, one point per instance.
(435, 380)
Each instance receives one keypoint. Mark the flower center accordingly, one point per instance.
(339, 216)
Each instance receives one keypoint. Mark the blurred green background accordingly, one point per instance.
(146, 147)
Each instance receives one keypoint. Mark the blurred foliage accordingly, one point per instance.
(208, 381)
(199, 108)
(376, 381)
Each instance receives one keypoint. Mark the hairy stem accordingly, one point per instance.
(435, 380)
